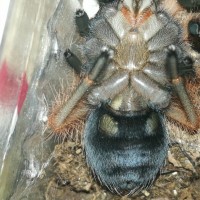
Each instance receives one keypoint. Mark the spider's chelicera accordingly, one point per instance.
(135, 60)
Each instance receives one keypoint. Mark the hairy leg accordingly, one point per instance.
(83, 87)
(82, 23)
(174, 71)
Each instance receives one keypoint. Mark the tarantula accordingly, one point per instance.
(136, 64)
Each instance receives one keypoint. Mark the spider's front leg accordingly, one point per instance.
(105, 1)
(68, 112)
(84, 86)
(194, 34)
(190, 4)
(82, 24)
(193, 6)
(175, 70)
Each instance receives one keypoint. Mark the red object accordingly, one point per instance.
(23, 92)
(11, 87)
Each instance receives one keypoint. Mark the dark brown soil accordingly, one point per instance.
(72, 181)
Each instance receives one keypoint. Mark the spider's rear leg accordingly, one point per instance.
(82, 22)
(83, 87)
(175, 70)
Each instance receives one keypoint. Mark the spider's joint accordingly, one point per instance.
(172, 47)
(176, 81)
(107, 51)
(80, 13)
(68, 53)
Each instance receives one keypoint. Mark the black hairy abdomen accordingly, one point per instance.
(129, 161)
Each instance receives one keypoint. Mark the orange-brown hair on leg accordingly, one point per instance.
(171, 6)
(176, 112)
(179, 13)
(73, 124)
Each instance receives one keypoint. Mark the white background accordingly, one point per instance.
(4, 4)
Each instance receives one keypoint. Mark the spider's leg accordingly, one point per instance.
(82, 22)
(185, 68)
(178, 85)
(194, 34)
(190, 5)
(83, 87)
(194, 28)
(105, 1)
(73, 61)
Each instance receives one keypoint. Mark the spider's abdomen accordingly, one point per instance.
(125, 153)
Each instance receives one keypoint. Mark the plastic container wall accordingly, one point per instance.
(23, 54)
